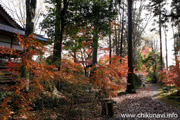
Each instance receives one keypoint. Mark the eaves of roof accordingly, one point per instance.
(12, 30)
(9, 18)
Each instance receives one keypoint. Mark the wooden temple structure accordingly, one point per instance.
(8, 29)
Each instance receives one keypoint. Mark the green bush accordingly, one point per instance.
(151, 78)
(49, 60)
(4, 95)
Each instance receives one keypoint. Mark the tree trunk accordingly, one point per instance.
(115, 46)
(166, 47)
(122, 30)
(75, 58)
(30, 14)
(95, 45)
(160, 37)
(57, 43)
(110, 53)
(130, 85)
(174, 39)
(118, 43)
(59, 30)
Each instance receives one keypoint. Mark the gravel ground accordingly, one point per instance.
(144, 105)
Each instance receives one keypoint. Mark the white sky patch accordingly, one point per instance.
(17, 10)
(170, 41)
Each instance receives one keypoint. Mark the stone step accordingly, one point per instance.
(3, 67)
(6, 82)
(5, 78)
(6, 73)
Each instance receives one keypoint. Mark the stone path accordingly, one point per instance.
(144, 105)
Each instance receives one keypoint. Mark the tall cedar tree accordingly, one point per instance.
(55, 23)
(157, 6)
(59, 29)
(110, 53)
(130, 87)
(175, 15)
(122, 31)
(102, 12)
(30, 14)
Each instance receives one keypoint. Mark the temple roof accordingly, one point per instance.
(13, 30)
(9, 25)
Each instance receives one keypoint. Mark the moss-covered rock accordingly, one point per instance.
(137, 81)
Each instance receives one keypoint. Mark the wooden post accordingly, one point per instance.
(107, 108)
(11, 48)
(110, 108)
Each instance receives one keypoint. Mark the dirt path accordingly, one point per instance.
(144, 105)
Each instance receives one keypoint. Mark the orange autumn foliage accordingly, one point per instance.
(110, 78)
(171, 77)
(41, 78)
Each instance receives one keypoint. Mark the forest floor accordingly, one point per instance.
(144, 105)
